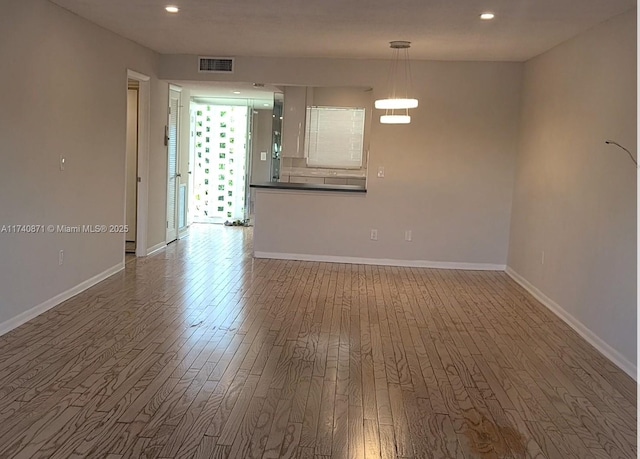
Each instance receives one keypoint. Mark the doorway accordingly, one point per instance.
(143, 117)
(131, 179)
(219, 169)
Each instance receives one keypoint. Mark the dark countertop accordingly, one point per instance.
(308, 187)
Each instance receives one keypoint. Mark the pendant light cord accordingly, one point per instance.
(407, 79)
(393, 77)
(395, 74)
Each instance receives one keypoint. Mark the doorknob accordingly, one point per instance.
(178, 175)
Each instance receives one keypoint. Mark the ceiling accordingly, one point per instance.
(260, 98)
(438, 29)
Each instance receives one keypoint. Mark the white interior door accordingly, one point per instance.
(172, 166)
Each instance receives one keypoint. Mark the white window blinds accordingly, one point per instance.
(334, 137)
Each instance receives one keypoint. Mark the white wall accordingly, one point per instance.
(261, 142)
(261, 137)
(575, 197)
(449, 174)
(63, 86)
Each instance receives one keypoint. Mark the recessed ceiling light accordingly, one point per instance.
(236, 92)
(487, 16)
(172, 9)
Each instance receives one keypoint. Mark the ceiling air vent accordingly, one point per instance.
(215, 65)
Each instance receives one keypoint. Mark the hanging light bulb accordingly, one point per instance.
(399, 85)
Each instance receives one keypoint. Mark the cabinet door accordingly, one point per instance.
(293, 123)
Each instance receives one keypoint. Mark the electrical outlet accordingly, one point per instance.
(407, 235)
(60, 258)
(374, 234)
(380, 171)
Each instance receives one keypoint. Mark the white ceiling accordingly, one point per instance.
(438, 29)
(259, 98)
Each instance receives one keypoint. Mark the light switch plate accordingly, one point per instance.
(380, 171)
(63, 160)
(263, 156)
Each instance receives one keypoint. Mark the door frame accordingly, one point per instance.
(195, 102)
(248, 161)
(178, 89)
(144, 117)
(133, 87)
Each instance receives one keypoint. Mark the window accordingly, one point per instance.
(334, 137)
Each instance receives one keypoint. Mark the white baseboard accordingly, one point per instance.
(609, 352)
(381, 261)
(156, 248)
(26, 316)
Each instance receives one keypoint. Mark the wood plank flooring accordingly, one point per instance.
(201, 351)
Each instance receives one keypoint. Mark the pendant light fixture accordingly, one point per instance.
(399, 86)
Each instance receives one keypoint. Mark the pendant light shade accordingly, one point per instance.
(395, 104)
(395, 119)
(399, 87)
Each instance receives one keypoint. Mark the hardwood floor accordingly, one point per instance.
(201, 351)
